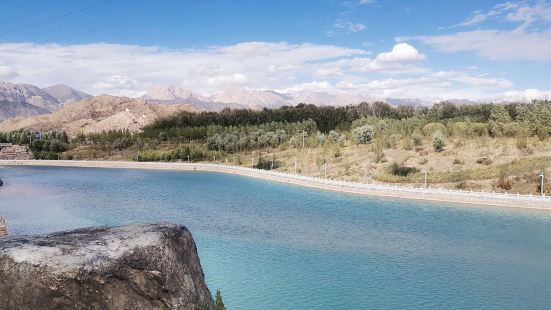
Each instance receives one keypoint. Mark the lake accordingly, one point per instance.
(268, 245)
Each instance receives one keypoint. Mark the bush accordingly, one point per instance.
(122, 143)
(438, 141)
(417, 139)
(484, 161)
(334, 136)
(431, 128)
(458, 161)
(266, 164)
(401, 170)
(363, 134)
(504, 181)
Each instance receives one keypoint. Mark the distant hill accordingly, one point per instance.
(65, 94)
(10, 109)
(239, 98)
(97, 114)
(23, 100)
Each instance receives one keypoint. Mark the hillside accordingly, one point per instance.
(65, 94)
(97, 114)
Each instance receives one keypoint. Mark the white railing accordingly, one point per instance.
(380, 186)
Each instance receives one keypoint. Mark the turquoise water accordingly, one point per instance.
(268, 245)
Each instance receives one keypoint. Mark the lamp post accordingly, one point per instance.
(425, 173)
(542, 190)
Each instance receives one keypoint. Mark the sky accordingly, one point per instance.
(478, 50)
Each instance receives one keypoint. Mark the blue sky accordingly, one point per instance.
(405, 49)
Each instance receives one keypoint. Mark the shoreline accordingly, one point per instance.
(366, 189)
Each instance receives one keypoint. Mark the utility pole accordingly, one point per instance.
(425, 172)
(303, 133)
(542, 189)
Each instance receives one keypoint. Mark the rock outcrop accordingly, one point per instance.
(153, 266)
(14, 152)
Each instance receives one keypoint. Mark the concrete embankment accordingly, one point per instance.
(381, 190)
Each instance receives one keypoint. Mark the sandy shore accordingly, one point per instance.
(382, 190)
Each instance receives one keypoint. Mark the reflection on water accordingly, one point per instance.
(273, 246)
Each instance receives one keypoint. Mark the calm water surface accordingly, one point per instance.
(273, 246)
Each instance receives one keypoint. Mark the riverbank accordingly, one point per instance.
(369, 189)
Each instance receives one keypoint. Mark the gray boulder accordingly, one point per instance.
(153, 266)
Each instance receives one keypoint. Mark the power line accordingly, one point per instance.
(31, 14)
(114, 25)
(55, 18)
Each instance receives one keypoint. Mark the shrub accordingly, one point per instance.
(401, 170)
(484, 161)
(438, 141)
(461, 185)
(334, 136)
(504, 181)
(458, 161)
(417, 139)
(320, 138)
(122, 143)
(266, 164)
(378, 148)
(363, 134)
(407, 144)
(432, 128)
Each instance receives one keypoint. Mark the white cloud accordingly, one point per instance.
(345, 26)
(232, 79)
(131, 70)
(119, 69)
(7, 73)
(400, 59)
(119, 85)
(366, 2)
(476, 19)
(401, 52)
(529, 40)
(496, 44)
(323, 86)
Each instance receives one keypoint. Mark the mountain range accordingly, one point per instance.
(95, 115)
(24, 106)
(23, 100)
(235, 98)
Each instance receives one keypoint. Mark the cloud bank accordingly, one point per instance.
(131, 70)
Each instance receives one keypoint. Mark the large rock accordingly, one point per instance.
(153, 266)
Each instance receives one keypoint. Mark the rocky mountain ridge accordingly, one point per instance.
(24, 100)
(95, 115)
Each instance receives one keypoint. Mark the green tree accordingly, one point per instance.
(363, 134)
(218, 303)
(499, 114)
(438, 141)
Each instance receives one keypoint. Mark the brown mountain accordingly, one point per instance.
(97, 114)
